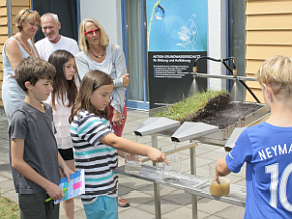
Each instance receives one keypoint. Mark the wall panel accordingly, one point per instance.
(268, 7)
(268, 33)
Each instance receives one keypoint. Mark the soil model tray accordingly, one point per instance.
(228, 115)
(240, 114)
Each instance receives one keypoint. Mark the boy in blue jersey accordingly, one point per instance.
(267, 148)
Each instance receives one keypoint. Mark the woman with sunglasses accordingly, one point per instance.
(98, 54)
(15, 49)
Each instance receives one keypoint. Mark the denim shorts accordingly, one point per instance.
(104, 207)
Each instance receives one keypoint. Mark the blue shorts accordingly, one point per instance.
(103, 208)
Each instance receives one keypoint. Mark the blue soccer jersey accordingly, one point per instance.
(267, 151)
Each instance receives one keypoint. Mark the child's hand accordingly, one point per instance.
(54, 191)
(157, 156)
(67, 172)
(217, 176)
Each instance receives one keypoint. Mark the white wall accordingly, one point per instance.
(216, 41)
(108, 13)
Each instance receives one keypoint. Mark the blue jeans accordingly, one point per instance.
(103, 208)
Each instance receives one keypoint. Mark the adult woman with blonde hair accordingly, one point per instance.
(98, 54)
(15, 49)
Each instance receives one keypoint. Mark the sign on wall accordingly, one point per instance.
(176, 36)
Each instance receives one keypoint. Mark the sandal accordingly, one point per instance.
(123, 202)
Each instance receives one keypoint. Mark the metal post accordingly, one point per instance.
(154, 141)
(193, 172)
(9, 18)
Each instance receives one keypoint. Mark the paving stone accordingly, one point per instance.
(135, 213)
(136, 198)
(179, 197)
(211, 206)
(5, 157)
(199, 161)
(166, 206)
(4, 143)
(5, 167)
(213, 155)
(241, 182)
(80, 214)
(234, 178)
(4, 135)
(7, 174)
(76, 209)
(78, 202)
(6, 186)
(132, 183)
(184, 212)
(213, 217)
(237, 212)
(2, 178)
(12, 195)
(123, 190)
(164, 190)
(208, 147)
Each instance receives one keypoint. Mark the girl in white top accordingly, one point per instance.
(62, 99)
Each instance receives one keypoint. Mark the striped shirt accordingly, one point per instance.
(97, 159)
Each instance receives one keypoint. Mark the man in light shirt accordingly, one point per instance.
(53, 40)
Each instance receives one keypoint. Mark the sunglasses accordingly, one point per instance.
(91, 32)
(26, 10)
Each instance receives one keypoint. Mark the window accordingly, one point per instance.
(134, 35)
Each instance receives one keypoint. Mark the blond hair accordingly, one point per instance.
(83, 44)
(277, 71)
(24, 15)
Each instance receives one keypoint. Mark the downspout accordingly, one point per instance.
(9, 18)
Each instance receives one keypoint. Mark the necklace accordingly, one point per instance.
(98, 56)
(25, 45)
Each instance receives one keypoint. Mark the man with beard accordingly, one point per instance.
(53, 40)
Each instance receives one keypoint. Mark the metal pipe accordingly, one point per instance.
(250, 91)
(171, 151)
(193, 172)
(9, 17)
(233, 71)
(229, 77)
(157, 201)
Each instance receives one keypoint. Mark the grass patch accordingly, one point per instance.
(182, 109)
(8, 209)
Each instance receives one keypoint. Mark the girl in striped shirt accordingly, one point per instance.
(97, 147)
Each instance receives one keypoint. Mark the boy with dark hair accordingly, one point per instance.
(34, 155)
(267, 148)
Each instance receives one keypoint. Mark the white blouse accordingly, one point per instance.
(61, 119)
